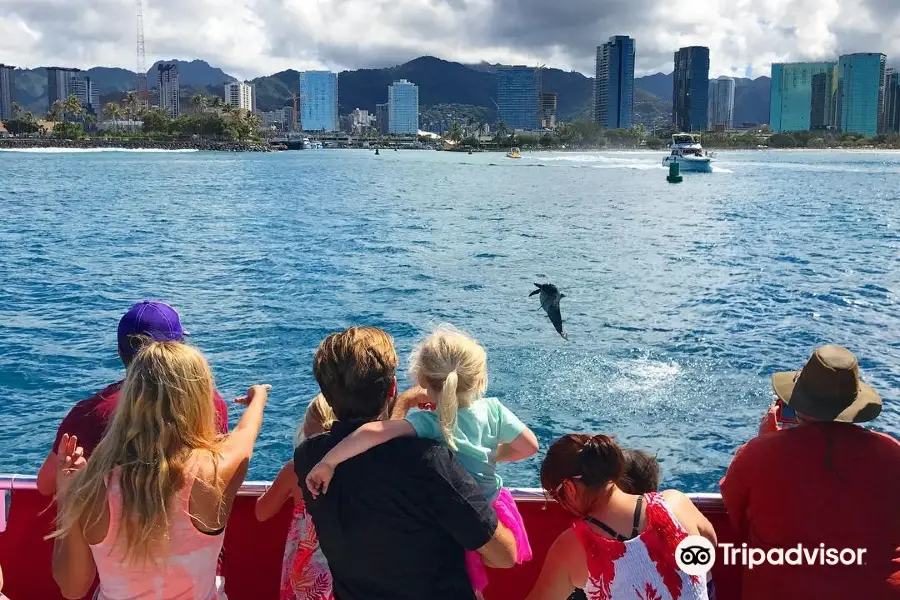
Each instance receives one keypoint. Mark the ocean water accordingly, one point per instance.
(680, 300)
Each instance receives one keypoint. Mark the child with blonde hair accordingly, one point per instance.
(304, 569)
(452, 368)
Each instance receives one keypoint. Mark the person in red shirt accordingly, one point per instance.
(825, 484)
(89, 418)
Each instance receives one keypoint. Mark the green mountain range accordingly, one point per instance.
(440, 83)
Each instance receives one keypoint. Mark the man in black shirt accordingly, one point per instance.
(396, 520)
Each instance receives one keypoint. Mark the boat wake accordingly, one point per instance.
(94, 150)
(617, 160)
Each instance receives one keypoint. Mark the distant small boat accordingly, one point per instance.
(514, 153)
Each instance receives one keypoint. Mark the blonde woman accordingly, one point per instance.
(452, 368)
(148, 511)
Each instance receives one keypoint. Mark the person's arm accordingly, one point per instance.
(518, 442)
(555, 579)
(689, 515)
(285, 485)
(73, 564)
(238, 446)
(457, 504)
(365, 438)
(736, 494)
(408, 400)
(46, 477)
(522, 447)
(500, 551)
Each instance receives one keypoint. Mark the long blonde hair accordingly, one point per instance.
(164, 415)
(318, 417)
(452, 365)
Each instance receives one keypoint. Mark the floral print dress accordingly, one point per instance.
(642, 568)
(304, 570)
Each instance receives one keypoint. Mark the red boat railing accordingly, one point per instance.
(254, 550)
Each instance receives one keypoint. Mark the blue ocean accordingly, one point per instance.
(681, 300)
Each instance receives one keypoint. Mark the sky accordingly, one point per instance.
(249, 38)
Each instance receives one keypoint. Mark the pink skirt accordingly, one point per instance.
(508, 514)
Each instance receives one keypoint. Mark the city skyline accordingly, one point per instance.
(252, 39)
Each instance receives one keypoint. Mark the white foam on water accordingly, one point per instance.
(643, 375)
(613, 160)
(718, 169)
(93, 150)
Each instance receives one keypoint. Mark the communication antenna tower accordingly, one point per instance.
(142, 89)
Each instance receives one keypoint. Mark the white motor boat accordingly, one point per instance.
(688, 153)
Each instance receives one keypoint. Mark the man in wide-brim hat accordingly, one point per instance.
(825, 484)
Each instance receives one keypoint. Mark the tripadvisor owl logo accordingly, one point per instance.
(695, 555)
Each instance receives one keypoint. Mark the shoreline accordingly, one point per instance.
(202, 145)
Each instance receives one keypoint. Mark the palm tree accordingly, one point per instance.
(15, 109)
(113, 111)
(198, 101)
(73, 106)
(217, 103)
(55, 114)
(133, 107)
(456, 132)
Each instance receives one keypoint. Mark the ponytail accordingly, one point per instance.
(447, 408)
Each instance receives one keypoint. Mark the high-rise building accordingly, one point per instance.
(721, 103)
(891, 116)
(87, 92)
(614, 83)
(690, 89)
(59, 84)
(382, 118)
(823, 97)
(241, 95)
(7, 96)
(318, 101)
(861, 92)
(168, 87)
(518, 91)
(359, 120)
(791, 95)
(403, 108)
(548, 110)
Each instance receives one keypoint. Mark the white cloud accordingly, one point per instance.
(255, 37)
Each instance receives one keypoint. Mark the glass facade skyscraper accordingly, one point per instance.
(614, 83)
(891, 118)
(518, 91)
(721, 103)
(403, 108)
(791, 94)
(690, 93)
(861, 93)
(318, 101)
(7, 85)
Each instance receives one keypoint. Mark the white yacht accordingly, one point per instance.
(688, 153)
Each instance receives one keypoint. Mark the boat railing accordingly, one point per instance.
(254, 550)
(256, 488)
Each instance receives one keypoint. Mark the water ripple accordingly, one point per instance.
(681, 300)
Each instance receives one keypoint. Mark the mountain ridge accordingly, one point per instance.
(440, 82)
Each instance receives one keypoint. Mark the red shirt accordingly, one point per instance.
(835, 484)
(774, 419)
(89, 418)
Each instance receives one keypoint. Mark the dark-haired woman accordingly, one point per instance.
(623, 545)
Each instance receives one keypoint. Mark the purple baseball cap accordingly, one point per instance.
(156, 320)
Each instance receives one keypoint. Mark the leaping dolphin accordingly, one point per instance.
(550, 297)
